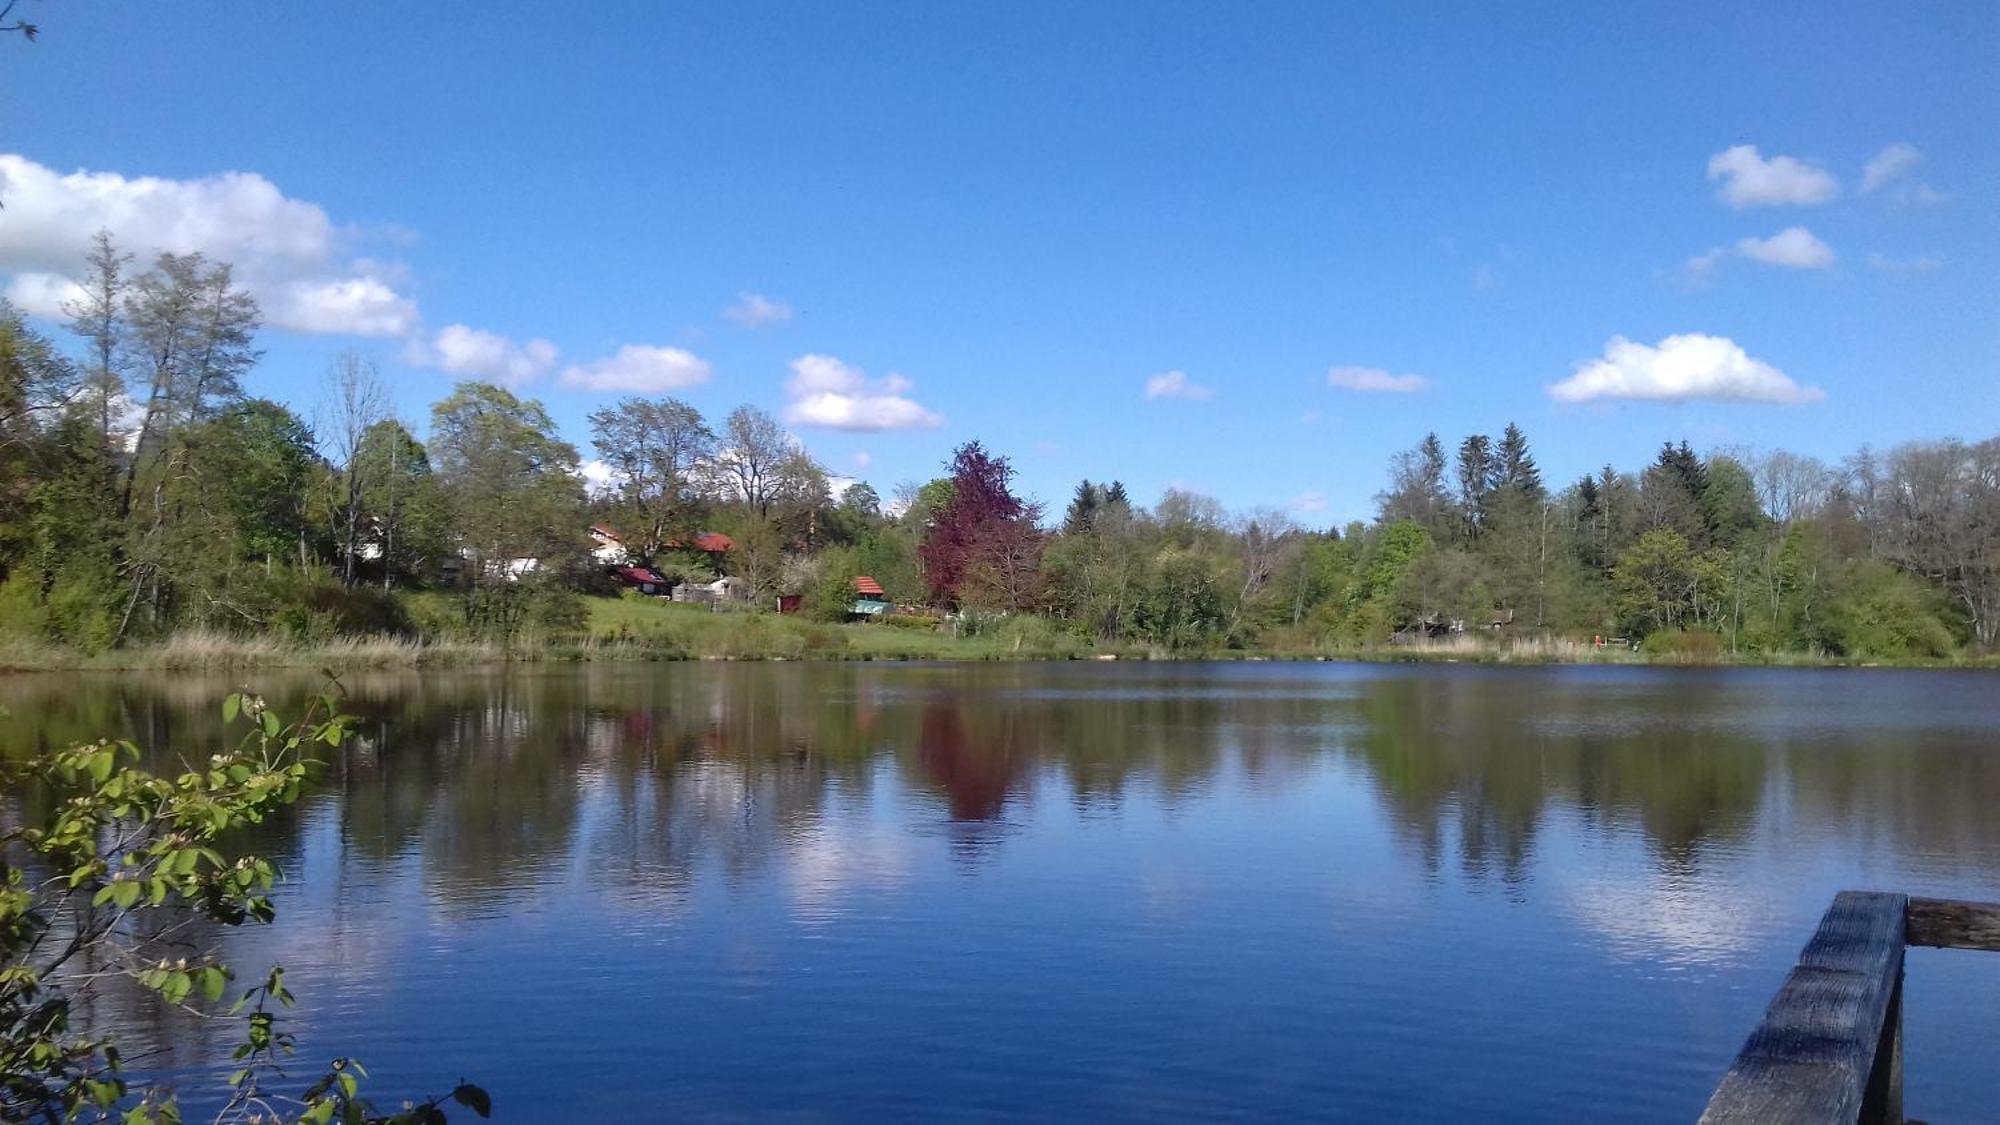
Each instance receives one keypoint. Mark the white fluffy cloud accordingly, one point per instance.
(1680, 369)
(1374, 379)
(461, 350)
(1888, 173)
(1306, 504)
(1794, 248)
(1888, 165)
(42, 294)
(1176, 384)
(357, 306)
(829, 394)
(1749, 180)
(754, 310)
(640, 369)
(598, 476)
(285, 251)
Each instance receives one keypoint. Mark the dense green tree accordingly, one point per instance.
(63, 585)
(860, 501)
(853, 517)
(1514, 468)
(1475, 483)
(510, 483)
(1663, 583)
(248, 470)
(1885, 613)
(888, 554)
(36, 385)
(407, 526)
(1729, 507)
(1083, 507)
(1182, 608)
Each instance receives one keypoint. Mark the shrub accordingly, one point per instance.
(324, 611)
(978, 622)
(830, 596)
(434, 614)
(508, 611)
(1886, 613)
(1033, 633)
(821, 640)
(79, 610)
(1684, 646)
(22, 613)
(922, 621)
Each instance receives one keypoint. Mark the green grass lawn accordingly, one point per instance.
(672, 629)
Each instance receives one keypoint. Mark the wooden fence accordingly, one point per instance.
(1830, 1047)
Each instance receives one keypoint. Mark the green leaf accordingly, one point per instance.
(232, 704)
(473, 1098)
(269, 721)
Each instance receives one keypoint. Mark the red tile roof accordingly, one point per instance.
(867, 585)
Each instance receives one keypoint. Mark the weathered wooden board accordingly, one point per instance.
(1813, 1056)
(1951, 924)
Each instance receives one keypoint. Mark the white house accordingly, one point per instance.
(607, 546)
(452, 569)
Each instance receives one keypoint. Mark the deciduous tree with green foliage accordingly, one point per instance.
(509, 480)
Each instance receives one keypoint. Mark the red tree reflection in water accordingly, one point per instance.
(975, 776)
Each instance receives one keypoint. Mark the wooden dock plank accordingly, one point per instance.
(1813, 1056)
(1950, 924)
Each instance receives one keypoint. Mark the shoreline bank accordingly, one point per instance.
(207, 652)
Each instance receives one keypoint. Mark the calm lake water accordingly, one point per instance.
(1091, 891)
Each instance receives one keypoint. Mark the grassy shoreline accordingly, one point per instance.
(629, 630)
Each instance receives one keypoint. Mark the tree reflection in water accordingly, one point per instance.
(640, 790)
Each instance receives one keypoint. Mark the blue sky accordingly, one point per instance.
(1003, 221)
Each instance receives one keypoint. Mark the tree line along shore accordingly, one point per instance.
(154, 513)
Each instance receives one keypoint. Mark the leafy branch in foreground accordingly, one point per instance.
(111, 877)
